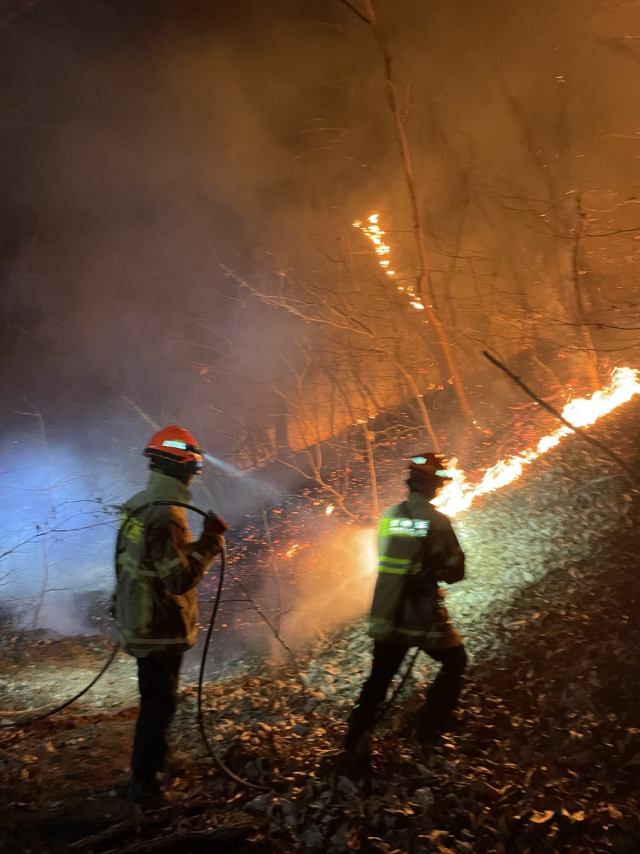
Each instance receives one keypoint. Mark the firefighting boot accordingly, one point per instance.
(355, 761)
(361, 722)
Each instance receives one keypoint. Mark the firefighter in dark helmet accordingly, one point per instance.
(158, 568)
(417, 549)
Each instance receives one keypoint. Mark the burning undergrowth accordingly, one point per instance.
(512, 540)
(557, 519)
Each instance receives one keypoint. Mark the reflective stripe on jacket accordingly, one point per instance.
(158, 567)
(417, 548)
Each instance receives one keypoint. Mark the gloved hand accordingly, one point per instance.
(214, 524)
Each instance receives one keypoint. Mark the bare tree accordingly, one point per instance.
(363, 332)
(564, 221)
(423, 281)
(49, 518)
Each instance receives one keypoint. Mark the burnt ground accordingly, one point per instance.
(545, 757)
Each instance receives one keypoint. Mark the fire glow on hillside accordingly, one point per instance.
(459, 495)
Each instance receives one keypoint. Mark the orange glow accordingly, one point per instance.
(458, 495)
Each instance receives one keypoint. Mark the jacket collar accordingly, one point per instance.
(166, 488)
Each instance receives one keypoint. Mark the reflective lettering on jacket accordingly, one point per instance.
(402, 527)
(395, 554)
(417, 547)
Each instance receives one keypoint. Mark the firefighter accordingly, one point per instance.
(158, 568)
(417, 549)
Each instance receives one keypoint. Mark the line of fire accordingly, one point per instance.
(319, 444)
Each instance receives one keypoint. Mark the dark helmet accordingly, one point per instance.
(430, 465)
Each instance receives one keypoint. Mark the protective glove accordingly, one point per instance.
(214, 524)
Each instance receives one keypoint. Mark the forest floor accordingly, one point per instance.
(545, 757)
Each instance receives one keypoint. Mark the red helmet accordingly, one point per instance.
(433, 465)
(175, 444)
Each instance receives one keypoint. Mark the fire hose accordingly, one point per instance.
(27, 720)
(30, 719)
(385, 708)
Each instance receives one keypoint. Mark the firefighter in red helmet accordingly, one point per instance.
(158, 568)
(417, 549)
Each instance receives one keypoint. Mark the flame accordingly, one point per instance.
(458, 495)
(371, 229)
(375, 235)
(294, 548)
(329, 510)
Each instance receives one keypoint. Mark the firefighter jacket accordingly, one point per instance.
(158, 567)
(417, 548)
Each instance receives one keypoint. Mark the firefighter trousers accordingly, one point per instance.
(158, 682)
(441, 700)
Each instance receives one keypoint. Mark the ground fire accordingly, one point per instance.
(581, 412)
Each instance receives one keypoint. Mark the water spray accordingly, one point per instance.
(261, 487)
(221, 464)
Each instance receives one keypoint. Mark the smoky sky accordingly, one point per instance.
(141, 145)
(144, 144)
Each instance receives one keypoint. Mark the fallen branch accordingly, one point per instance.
(103, 835)
(577, 430)
(19, 713)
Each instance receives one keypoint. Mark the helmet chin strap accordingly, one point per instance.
(180, 471)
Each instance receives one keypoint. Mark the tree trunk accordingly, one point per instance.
(423, 279)
(426, 420)
(425, 290)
